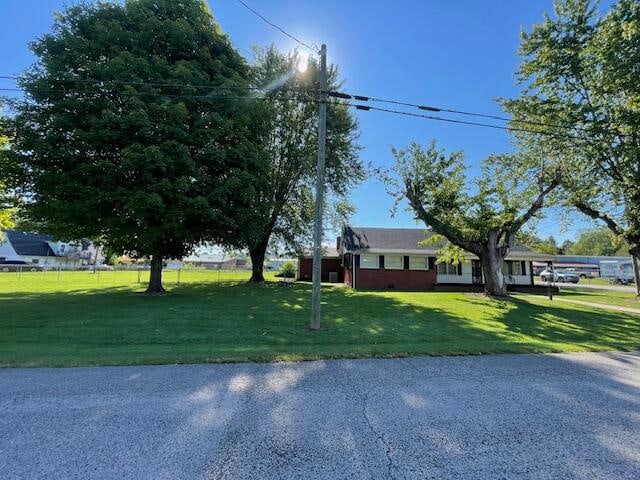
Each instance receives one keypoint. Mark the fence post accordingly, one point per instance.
(179, 270)
(138, 275)
(59, 273)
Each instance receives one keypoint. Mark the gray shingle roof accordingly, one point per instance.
(327, 252)
(30, 244)
(363, 238)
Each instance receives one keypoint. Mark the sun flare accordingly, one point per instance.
(303, 63)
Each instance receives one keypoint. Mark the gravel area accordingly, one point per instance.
(494, 417)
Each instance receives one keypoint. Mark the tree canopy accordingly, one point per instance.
(118, 141)
(547, 245)
(580, 73)
(598, 241)
(482, 220)
(7, 202)
(282, 209)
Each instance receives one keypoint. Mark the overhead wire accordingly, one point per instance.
(277, 27)
(151, 83)
(304, 94)
(430, 108)
(343, 96)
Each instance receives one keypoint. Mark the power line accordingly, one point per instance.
(297, 96)
(462, 122)
(266, 20)
(155, 84)
(335, 94)
(304, 96)
(365, 98)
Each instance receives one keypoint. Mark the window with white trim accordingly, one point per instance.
(369, 261)
(447, 268)
(393, 262)
(516, 268)
(419, 263)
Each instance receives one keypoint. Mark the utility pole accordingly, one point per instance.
(317, 231)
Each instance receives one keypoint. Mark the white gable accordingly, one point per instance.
(7, 251)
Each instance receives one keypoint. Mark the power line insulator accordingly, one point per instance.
(340, 95)
(429, 109)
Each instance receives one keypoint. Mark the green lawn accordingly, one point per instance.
(87, 319)
(609, 297)
(595, 281)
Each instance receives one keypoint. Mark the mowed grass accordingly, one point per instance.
(608, 297)
(90, 319)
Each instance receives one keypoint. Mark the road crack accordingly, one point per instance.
(380, 438)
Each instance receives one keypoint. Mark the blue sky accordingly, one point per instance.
(459, 54)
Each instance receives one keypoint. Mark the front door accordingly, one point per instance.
(476, 272)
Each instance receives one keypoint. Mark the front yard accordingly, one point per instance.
(81, 319)
(609, 297)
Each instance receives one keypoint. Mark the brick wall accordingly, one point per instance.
(305, 269)
(384, 279)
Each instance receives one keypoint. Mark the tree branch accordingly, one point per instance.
(431, 220)
(597, 215)
(511, 227)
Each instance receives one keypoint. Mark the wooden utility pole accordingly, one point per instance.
(317, 232)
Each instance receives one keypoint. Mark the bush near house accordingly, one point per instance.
(287, 270)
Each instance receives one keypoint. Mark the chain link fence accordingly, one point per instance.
(117, 276)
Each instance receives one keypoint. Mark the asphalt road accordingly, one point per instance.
(494, 417)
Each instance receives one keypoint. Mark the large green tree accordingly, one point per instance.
(482, 218)
(7, 179)
(118, 139)
(537, 244)
(580, 72)
(598, 241)
(282, 210)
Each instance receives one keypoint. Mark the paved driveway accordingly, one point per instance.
(498, 417)
(584, 285)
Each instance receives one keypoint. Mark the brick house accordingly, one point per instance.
(395, 258)
(332, 270)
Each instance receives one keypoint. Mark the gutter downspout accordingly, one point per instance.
(353, 262)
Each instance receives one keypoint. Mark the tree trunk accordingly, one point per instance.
(636, 271)
(155, 276)
(258, 254)
(492, 261)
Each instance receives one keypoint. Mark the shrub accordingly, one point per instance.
(287, 270)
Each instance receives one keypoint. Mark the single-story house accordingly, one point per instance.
(397, 258)
(44, 250)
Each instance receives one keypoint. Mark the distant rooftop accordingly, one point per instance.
(30, 244)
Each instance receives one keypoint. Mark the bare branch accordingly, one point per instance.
(597, 215)
(451, 233)
(511, 227)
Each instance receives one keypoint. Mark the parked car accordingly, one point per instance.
(583, 272)
(559, 276)
(19, 265)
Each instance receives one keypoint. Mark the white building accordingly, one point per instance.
(44, 250)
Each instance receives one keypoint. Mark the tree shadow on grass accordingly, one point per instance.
(579, 327)
(240, 322)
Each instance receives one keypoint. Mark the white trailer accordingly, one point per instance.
(617, 271)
